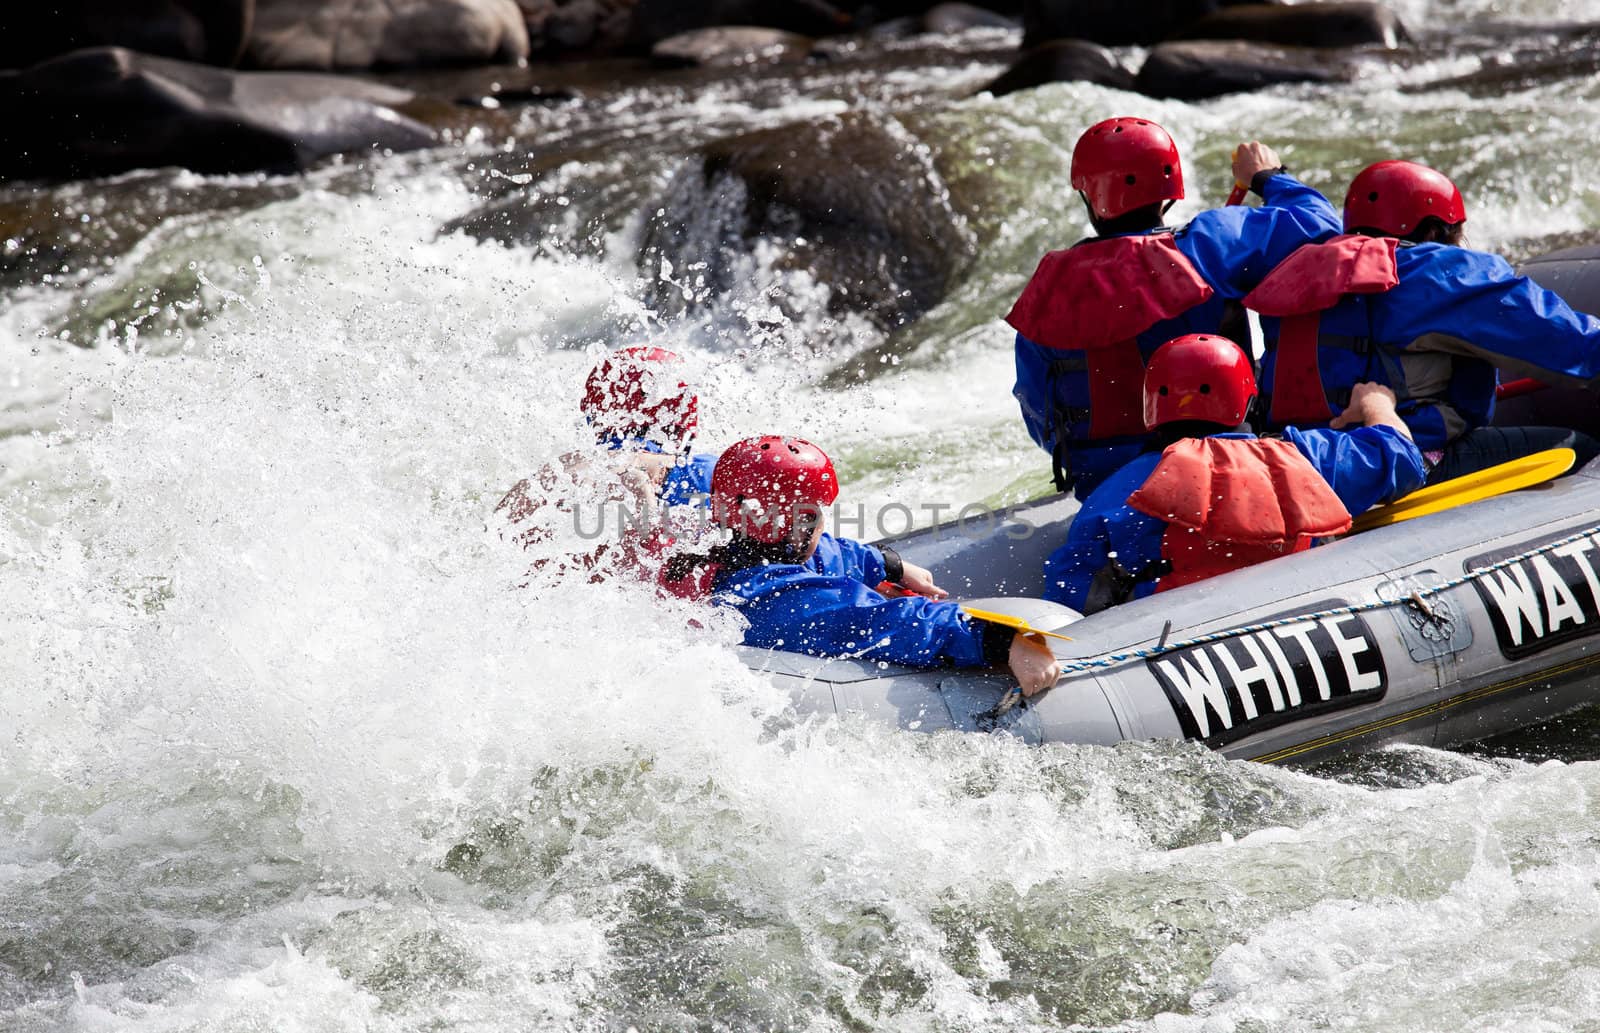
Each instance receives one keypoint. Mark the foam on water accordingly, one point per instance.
(282, 747)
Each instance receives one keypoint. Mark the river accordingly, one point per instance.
(281, 748)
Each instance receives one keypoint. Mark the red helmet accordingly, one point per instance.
(1198, 377)
(636, 393)
(761, 485)
(1395, 196)
(1126, 163)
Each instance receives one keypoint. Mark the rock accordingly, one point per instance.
(329, 34)
(951, 18)
(592, 26)
(212, 31)
(1515, 64)
(656, 20)
(731, 46)
(857, 202)
(1063, 60)
(1303, 25)
(1114, 23)
(1210, 68)
(106, 110)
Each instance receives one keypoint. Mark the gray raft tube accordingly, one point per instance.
(1438, 631)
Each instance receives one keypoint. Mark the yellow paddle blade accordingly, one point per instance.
(1483, 484)
(1011, 622)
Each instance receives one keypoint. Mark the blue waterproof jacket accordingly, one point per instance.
(1364, 466)
(1437, 336)
(1232, 249)
(825, 607)
(691, 477)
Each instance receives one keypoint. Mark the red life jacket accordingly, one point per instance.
(1231, 503)
(1298, 291)
(1098, 297)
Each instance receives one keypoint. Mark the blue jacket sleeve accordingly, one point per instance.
(791, 607)
(1477, 305)
(1234, 248)
(1069, 571)
(1363, 465)
(689, 478)
(1106, 524)
(846, 557)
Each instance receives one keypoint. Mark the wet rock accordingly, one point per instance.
(1303, 25)
(211, 31)
(1519, 64)
(731, 46)
(1113, 23)
(951, 18)
(1199, 69)
(856, 202)
(328, 34)
(107, 110)
(589, 26)
(1063, 60)
(656, 20)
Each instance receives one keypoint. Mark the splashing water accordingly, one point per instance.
(282, 747)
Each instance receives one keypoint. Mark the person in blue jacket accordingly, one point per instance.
(1397, 301)
(804, 590)
(644, 418)
(1208, 499)
(1092, 314)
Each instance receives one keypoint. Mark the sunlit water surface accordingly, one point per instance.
(281, 747)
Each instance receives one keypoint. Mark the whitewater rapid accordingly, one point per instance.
(282, 747)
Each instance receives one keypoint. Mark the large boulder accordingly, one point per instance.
(1303, 25)
(1114, 23)
(106, 110)
(1063, 60)
(330, 34)
(1197, 69)
(212, 31)
(855, 201)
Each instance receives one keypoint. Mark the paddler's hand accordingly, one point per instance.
(1371, 405)
(1252, 158)
(919, 580)
(1033, 665)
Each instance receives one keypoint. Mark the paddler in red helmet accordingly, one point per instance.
(1207, 498)
(1094, 313)
(1397, 300)
(644, 416)
(802, 589)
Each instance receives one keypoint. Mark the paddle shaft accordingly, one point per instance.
(1482, 484)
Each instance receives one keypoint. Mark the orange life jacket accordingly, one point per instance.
(1230, 503)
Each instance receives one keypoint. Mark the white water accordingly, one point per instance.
(262, 675)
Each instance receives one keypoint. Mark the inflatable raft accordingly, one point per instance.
(1438, 631)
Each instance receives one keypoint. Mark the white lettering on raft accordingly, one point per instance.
(1223, 687)
(1543, 599)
